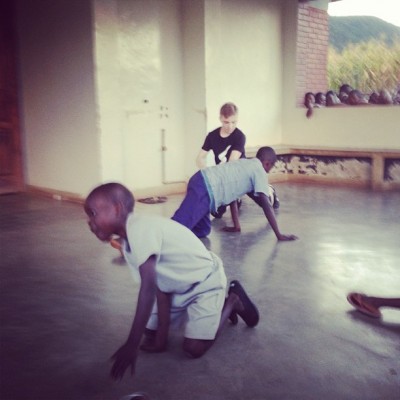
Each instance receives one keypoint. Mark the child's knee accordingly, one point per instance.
(194, 348)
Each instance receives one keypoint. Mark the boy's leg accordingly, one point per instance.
(370, 305)
(219, 213)
(197, 347)
(203, 227)
(237, 302)
(273, 197)
(149, 340)
(196, 204)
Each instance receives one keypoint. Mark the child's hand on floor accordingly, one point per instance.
(283, 238)
(124, 358)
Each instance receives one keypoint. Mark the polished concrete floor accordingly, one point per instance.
(67, 302)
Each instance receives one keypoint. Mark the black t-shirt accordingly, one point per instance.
(223, 147)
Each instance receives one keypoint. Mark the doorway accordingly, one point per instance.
(11, 178)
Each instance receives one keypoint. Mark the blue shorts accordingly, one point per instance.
(194, 212)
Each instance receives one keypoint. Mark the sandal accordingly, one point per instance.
(360, 302)
(153, 200)
(250, 314)
(234, 318)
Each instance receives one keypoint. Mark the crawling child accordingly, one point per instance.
(179, 277)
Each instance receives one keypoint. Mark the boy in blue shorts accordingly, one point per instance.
(179, 278)
(212, 187)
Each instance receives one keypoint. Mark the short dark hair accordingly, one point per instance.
(228, 109)
(266, 154)
(116, 193)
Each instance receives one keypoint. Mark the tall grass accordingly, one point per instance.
(368, 67)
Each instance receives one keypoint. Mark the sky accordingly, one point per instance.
(388, 10)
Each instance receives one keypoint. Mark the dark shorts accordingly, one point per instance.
(194, 212)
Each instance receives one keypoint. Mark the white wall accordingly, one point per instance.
(244, 65)
(363, 127)
(101, 80)
(57, 94)
(140, 90)
(107, 81)
(195, 118)
(176, 63)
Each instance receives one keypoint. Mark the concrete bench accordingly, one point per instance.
(376, 169)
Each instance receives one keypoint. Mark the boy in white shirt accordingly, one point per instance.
(179, 277)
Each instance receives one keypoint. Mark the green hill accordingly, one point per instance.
(345, 30)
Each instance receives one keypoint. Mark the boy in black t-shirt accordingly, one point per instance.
(226, 142)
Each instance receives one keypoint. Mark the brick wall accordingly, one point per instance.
(312, 51)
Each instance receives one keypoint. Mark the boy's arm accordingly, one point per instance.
(126, 355)
(256, 199)
(201, 159)
(262, 201)
(235, 155)
(235, 218)
(159, 343)
(164, 315)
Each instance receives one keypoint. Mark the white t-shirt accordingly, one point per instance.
(182, 259)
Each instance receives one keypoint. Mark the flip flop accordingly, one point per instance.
(250, 314)
(153, 200)
(360, 302)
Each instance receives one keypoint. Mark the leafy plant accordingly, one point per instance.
(367, 66)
